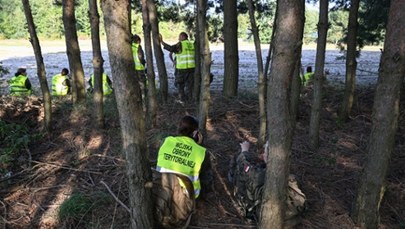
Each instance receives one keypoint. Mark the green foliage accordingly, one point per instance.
(310, 27)
(265, 29)
(216, 24)
(75, 207)
(14, 140)
(176, 16)
(372, 21)
(82, 18)
(244, 31)
(79, 205)
(337, 26)
(12, 19)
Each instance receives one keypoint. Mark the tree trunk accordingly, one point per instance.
(287, 46)
(97, 62)
(271, 47)
(231, 58)
(197, 71)
(40, 66)
(129, 103)
(318, 75)
(73, 51)
(385, 120)
(205, 64)
(262, 80)
(152, 104)
(295, 90)
(159, 57)
(351, 63)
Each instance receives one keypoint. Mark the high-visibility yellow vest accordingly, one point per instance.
(106, 87)
(182, 155)
(186, 58)
(307, 77)
(138, 65)
(58, 89)
(17, 86)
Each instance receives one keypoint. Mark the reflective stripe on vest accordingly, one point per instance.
(138, 64)
(57, 85)
(186, 58)
(106, 87)
(182, 155)
(17, 86)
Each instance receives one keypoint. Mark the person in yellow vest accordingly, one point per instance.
(140, 62)
(19, 84)
(183, 173)
(61, 83)
(307, 76)
(184, 155)
(105, 82)
(185, 64)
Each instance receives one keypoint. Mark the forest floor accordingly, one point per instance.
(78, 161)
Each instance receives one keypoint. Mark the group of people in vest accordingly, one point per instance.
(184, 61)
(20, 85)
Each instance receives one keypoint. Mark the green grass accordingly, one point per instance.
(14, 140)
(80, 205)
(75, 207)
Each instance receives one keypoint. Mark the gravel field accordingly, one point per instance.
(20, 54)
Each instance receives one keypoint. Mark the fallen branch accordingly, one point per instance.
(68, 168)
(115, 197)
(13, 176)
(5, 215)
(233, 225)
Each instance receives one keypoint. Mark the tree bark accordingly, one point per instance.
(271, 46)
(318, 75)
(159, 57)
(287, 45)
(262, 80)
(97, 63)
(73, 51)
(351, 62)
(129, 104)
(295, 90)
(40, 66)
(197, 71)
(385, 120)
(152, 103)
(205, 64)
(231, 58)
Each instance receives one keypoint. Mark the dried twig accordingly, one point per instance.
(109, 157)
(13, 176)
(115, 197)
(233, 225)
(68, 168)
(45, 188)
(5, 214)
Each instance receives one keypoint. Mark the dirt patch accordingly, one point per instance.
(77, 159)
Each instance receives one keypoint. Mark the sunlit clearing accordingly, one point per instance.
(50, 215)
